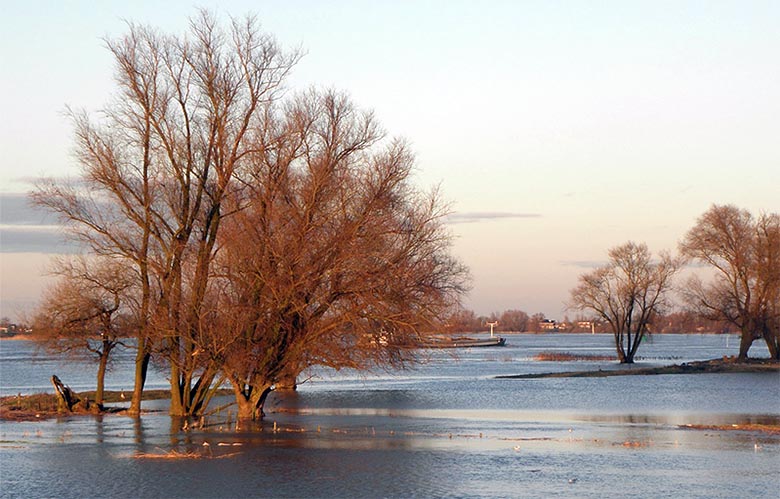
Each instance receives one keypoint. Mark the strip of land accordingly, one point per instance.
(698, 367)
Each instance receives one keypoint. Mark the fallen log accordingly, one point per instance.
(67, 399)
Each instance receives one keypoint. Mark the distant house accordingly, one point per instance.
(548, 325)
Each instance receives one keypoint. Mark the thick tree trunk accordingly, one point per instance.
(142, 358)
(177, 406)
(744, 344)
(250, 402)
(101, 378)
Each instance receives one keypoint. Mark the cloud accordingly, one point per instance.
(25, 228)
(35, 239)
(16, 209)
(482, 216)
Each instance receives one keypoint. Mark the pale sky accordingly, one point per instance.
(557, 130)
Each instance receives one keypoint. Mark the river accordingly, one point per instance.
(444, 428)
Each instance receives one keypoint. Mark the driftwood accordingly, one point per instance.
(67, 399)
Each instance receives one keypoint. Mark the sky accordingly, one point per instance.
(555, 129)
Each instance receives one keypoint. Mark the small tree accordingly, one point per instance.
(627, 293)
(83, 312)
(744, 252)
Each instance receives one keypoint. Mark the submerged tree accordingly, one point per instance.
(744, 253)
(156, 171)
(85, 311)
(627, 293)
(262, 237)
(332, 258)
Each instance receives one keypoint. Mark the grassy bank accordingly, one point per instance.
(44, 405)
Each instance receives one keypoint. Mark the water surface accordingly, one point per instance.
(445, 428)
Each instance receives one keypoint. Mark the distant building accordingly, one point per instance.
(548, 325)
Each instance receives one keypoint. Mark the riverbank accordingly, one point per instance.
(697, 367)
(41, 406)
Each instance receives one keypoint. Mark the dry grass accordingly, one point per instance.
(569, 357)
(28, 407)
(174, 455)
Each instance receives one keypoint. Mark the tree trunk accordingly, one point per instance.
(773, 344)
(251, 401)
(101, 377)
(177, 406)
(621, 353)
(744, 344)
(142, 358)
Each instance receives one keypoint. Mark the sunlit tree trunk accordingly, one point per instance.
(142, 358)
(101, 374)
(251, 400)
(745, 341)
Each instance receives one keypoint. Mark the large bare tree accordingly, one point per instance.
(627, 293)
(155, 173)
(744, 253)
(86, 312)
(332, 258)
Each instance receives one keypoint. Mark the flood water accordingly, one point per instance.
(445, 428)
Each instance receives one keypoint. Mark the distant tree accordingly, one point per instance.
(627, 293)
(85, 311)
(535, 323)
(462, 321)
(332, 257)
(744, 253)
(513, 320)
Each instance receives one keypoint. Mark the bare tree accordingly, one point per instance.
(744, 252)
(155, 173)
(627, 293)
(514, 320)
(85, 311)
(333, 258)
(462, 320)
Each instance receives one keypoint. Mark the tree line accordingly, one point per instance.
(739, 250)
(237, 231)
(630, 295)
(517, 321)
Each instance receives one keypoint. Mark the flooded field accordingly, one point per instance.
(445, 428)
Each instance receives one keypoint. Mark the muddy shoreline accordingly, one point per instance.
(697, 367)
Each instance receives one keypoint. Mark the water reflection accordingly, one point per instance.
(446, 428)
